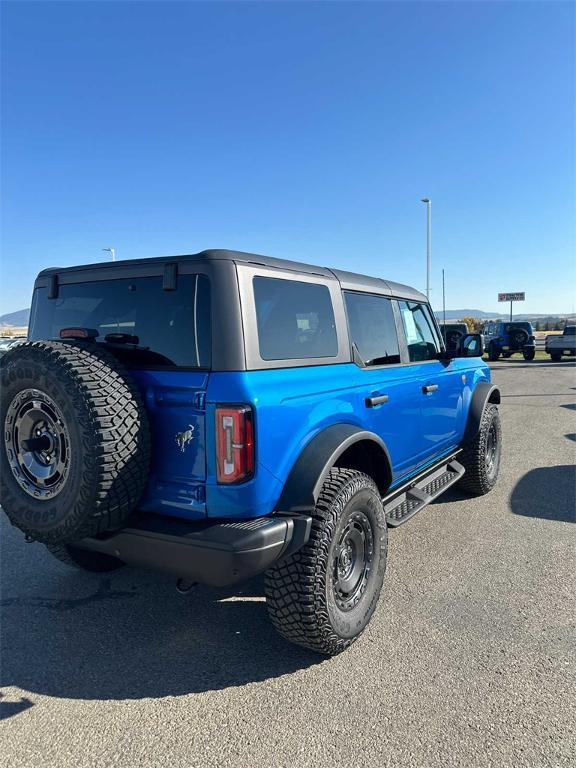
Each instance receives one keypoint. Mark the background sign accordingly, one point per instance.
(511, 297)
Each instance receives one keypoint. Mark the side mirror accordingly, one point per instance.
(472, 345)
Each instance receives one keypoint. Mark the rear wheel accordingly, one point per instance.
(324, 595)
(529, 354)
(555, 357)
(453, 339)
(493, 352)
(481, 457)
(84, 559)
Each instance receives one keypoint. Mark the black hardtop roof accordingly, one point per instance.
(452, 322)
(348, 280)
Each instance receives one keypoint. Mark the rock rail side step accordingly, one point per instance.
(404, 502)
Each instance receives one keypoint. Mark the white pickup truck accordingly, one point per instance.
(559, 344)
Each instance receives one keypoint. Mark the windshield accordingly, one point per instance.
(140, 322)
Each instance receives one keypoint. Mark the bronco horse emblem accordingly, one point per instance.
(183, 438)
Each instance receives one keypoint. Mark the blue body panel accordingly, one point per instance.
(175, 405)
(291, 406)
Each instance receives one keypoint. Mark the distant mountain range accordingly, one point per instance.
(19, 318)
(22, 317)
(478, 314)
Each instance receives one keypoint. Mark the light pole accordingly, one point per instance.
(112, 251)
(428, 242)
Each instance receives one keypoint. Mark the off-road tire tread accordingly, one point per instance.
(493, 352)
(115, 436)
(295, 588)
(472, 457)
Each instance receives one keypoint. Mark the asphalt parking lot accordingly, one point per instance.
(470, 659)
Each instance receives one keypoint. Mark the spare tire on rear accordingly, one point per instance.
(519, 337)
(75, 453)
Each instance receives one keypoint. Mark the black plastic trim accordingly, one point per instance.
(308, 474)
(53, 287)
(170, 277)
(208, 552)
(484, 392)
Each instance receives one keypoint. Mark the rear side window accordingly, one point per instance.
(421, 338)
(140, 322)
(372, 328)
(295, 319)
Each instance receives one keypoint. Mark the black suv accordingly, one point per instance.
(453, 333)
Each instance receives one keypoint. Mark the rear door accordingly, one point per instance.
(388, 393)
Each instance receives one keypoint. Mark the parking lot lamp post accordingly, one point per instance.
(112, 251)
(428, 242)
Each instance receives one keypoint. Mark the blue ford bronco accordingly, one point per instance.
(506, 339)
(221, 415)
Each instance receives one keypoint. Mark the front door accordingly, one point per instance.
(441, 384)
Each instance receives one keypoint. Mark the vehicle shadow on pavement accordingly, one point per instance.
(548, 493)
(131, 635)
(11, 708)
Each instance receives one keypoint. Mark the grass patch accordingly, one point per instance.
(540, 355)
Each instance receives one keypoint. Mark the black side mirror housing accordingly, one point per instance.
(472, 345)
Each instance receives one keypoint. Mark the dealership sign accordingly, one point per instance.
(511, 297)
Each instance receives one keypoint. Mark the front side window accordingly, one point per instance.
(140, 322)
(421, 337)
(372, 328)
(295, 319)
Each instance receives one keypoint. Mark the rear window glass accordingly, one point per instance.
(511, 327)
(372, 328)
(140, 322)
(295, 319)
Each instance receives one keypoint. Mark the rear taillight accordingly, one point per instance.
(234, 443)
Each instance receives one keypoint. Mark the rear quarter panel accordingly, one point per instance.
(291, 405)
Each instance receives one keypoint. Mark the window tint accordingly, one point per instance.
(511, 327)
(421, 338)
(139, 322)
(295, 319)
(372, 328)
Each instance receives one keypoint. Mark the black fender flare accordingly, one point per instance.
(304, 483)
(484, 393)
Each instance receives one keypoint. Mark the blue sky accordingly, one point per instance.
(299, 130)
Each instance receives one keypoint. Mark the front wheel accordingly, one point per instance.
(529, 354)
(324, 595)
(555, 357)
(481, 457)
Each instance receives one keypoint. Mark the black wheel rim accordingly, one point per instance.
(492, 450)
(352, 561)
(37, 444)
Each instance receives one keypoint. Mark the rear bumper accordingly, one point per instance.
(208, 552)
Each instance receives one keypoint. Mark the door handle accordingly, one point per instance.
(376, 400)
(429, 388)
